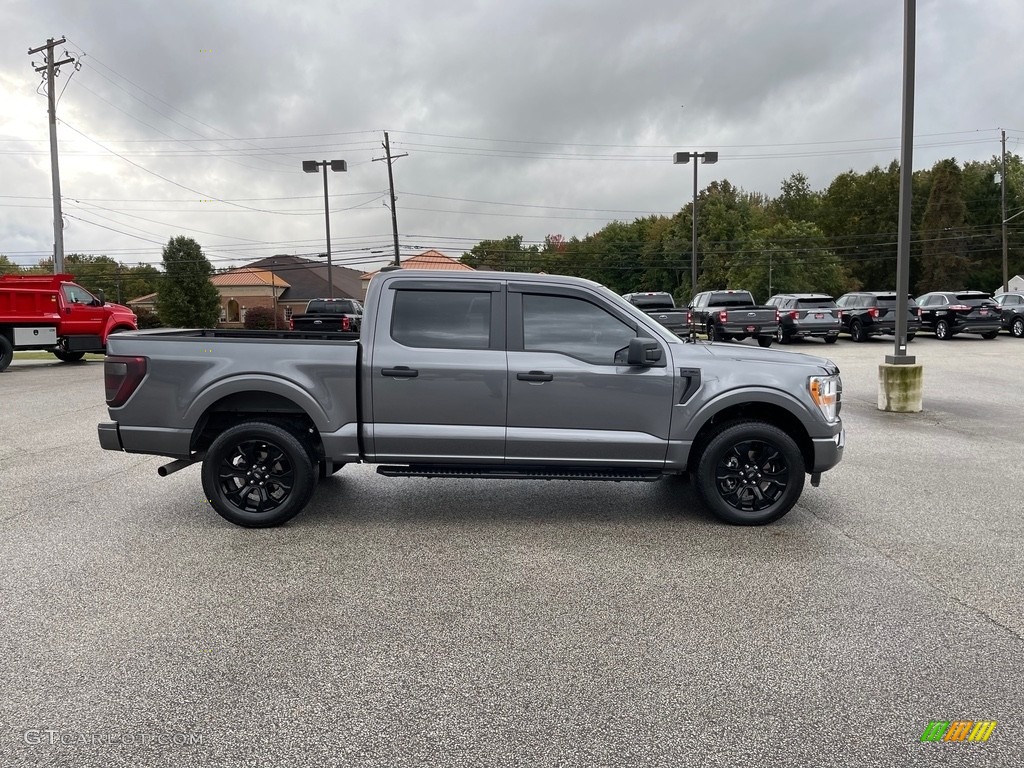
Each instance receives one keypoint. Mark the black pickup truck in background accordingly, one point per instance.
(662, 308)
(725, 315)
(332, 315)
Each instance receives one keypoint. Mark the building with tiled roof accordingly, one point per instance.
(426, 260)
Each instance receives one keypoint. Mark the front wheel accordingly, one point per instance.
(764, 341)
(68, 357)
(942, 330)
(750, 473)
(258, 475)
(1017, 327)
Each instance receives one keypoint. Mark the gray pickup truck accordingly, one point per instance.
(475, 375)
(729, 314)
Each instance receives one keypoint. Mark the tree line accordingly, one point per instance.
(836, 240)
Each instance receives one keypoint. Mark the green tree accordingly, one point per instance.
(186, 298)
(945, 262)
(8, 267)
(262, 319)
(508, 255)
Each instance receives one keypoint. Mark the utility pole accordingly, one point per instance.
(58, 217)
(1002, 185)
(391, 185)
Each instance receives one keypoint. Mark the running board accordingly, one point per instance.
(504, 472)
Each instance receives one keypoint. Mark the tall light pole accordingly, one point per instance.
(313, 166)
(708, 158)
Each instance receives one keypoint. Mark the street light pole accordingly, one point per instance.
(314, 166)
(681, 158)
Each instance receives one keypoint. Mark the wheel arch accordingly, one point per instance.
(769, 412)
(220, 409)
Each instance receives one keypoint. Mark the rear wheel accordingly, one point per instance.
(764, 341)
(6, 352)
(1017, 327)
(781, 337)
(831, 339)
(258, 475)
(990, 335)
(712, 334)
(68, 357)
(750, 473)
(910, 337)
(857, 331)
(942, 330)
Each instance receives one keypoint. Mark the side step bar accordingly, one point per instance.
(506, 472)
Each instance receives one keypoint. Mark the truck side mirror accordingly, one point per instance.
(643, 352)
(99, 295)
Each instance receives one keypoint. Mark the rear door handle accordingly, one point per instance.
(535, 376)
(400, 372)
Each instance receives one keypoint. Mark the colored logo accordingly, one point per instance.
(958, 730)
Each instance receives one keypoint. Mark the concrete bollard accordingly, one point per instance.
(900, 388)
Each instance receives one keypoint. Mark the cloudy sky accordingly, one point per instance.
(532, 118)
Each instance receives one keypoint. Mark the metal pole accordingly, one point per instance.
(58, 215)
(327, 218)
(1002, 184)
(693, 287)
(900, 356)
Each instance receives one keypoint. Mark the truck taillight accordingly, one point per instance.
(723, 316)
(689, 317)
(121, 377)
(346, 324)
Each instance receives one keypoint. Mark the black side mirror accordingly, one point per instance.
(643, 352)
(100, 298)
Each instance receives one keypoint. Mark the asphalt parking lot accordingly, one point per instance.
(408, 622)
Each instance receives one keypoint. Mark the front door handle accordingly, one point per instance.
(400, 372)
(535, 376)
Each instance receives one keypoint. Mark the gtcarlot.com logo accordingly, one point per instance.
(958, 730)
(54, 737)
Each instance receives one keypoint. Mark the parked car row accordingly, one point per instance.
(859, 314)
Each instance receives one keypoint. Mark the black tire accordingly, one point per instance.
(942, 330)
(750, 473)
(68, 357)
(764, 341)
(258, 475)
(990, 335)
(857, 332)
(712, 335)
(832, 339)
(781, 337)
(1017, 327)
(910, 337)
(6, 353)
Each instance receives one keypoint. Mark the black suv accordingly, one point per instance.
(948, 313)
(873, 313)
(806, 314)
(1011, 316)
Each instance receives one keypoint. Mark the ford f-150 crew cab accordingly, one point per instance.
(52, 313)
(329, 315)
(725, 315)
(475, 375)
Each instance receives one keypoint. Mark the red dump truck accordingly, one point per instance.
(55, 314)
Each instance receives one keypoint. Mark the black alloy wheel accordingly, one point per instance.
(942, 330)
(750, 473)
(712, 335)
(857, 331)
(257, 474)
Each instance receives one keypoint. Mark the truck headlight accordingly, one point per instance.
(826, 392)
